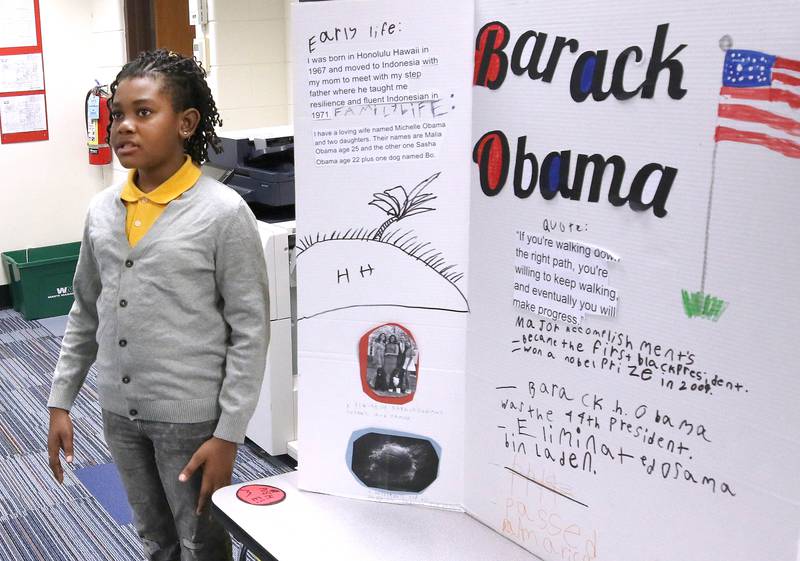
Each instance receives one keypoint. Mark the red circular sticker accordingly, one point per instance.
(260, 495)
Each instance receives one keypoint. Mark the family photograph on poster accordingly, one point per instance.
(392, 361)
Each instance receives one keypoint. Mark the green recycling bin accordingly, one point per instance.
(41, 279)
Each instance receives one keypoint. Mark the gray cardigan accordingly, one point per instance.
(178, 325)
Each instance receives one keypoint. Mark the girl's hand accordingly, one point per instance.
(59, 437)
(216, 457)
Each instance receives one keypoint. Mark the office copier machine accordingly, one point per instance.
(274, 423)
(259, 165)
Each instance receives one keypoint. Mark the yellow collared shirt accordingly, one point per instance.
(143, 209)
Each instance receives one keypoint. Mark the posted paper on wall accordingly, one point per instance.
(19, 73)
(23, 113)
(17, 23)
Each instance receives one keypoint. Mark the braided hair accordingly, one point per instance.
(185, 80)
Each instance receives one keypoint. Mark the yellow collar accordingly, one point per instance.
(180, 182)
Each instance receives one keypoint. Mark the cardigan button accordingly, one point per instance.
(123, 303)
(128, 263)
(123, 342)
(133, 412)
(126, 380)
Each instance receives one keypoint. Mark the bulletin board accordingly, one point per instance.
(23, 104)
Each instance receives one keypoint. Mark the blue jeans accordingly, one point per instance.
(149, 456)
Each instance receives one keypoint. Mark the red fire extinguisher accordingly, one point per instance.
(97, 118)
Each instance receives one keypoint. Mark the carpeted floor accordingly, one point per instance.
(84, 519)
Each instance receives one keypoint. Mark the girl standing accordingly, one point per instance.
(171, 302)
(390, 362)
(378, 351)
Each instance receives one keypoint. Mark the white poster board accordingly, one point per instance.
(623, 387)
(382, 121)
(631, 431)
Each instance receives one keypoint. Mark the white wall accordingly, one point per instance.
(108, 40)
(45, 186)
(247, 61)
(289, 62)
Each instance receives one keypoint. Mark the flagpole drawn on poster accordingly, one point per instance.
(758, 106)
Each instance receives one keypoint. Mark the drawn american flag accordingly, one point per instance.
(760, 101)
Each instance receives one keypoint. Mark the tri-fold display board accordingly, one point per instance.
(547, 259)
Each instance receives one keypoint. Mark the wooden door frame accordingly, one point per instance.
(140, 29)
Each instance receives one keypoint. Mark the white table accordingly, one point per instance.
(311, 526)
